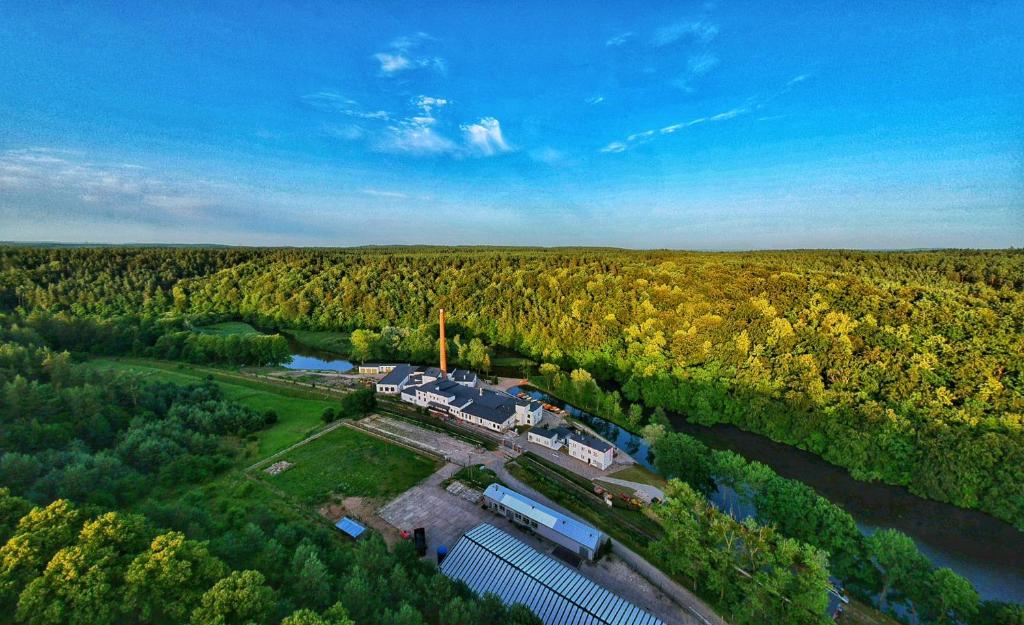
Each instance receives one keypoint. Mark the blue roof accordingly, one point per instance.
(350, 527)
(582, 533)
(488, 559)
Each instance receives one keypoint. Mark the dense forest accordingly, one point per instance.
(902, 367)
(110, 513)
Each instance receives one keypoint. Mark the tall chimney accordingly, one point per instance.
(444, 348)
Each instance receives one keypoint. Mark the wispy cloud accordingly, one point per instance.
(730, 114)
(485, 136)
(597, 99)
(388, 194)
(124, 187)
(699, 30)
(752, 105)
(700, 64)
(618, 40)
(548, 155)
(403, 56)
(639, 138)
(333, 101)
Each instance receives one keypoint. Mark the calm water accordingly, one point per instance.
(305, 357)
(988, 552)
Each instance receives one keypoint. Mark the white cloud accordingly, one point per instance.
(618, 40)
(614, 147)
(595, 100)
(402, 57)
(392, 63)
(640, 135)
(797, 79)
(701, 64)
(328, 101)
(389, 194)
(427, 103)
(730, 114)
(178, 204)
(416, 138)
(485, 135)
(700, 30)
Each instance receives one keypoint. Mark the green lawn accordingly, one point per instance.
(227, 328)
(334, 342)
(637, 473)
(349, 463)
(298, 411)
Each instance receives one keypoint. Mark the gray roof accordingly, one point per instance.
(490, 560)
(567, 526)
(591, 441)
(462, 375)
(546, 433)
(396, 375)
(433, 372)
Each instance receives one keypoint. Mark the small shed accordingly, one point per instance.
(351, 527)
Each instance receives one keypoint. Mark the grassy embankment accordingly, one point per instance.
(228, 328)
(333, 342)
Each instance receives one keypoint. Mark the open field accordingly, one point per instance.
(298, 411)
(334, 342)
(228, 328)
(637, 473)
(350, 463)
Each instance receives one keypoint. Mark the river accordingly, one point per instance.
(983, 549)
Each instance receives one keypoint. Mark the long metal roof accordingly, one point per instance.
(490, 560)
(582, 533)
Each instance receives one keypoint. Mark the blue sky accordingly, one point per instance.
(707, 125)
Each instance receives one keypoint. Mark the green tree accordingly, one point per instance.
(898, 561)
(166, 582)
(949, 598)
(240, 598)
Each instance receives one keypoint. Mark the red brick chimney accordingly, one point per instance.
(444, 348)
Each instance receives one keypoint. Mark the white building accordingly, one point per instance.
(591, 450)
(552, 439)
(579, 538)
(479, 406)
(403, 376)
(376, 368)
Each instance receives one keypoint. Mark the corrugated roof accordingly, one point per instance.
(488, 559)
(350, 527)
(567, 526)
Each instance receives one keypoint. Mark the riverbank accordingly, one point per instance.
(975, 545)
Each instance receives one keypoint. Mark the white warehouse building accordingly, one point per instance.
(579, 538)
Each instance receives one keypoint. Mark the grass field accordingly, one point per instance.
(298, 411)
(227, 328)
(349, 463)
(334, 342)
(637, 473)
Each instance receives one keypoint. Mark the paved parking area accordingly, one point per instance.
(445, 516)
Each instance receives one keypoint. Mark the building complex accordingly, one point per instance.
(489, 560)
